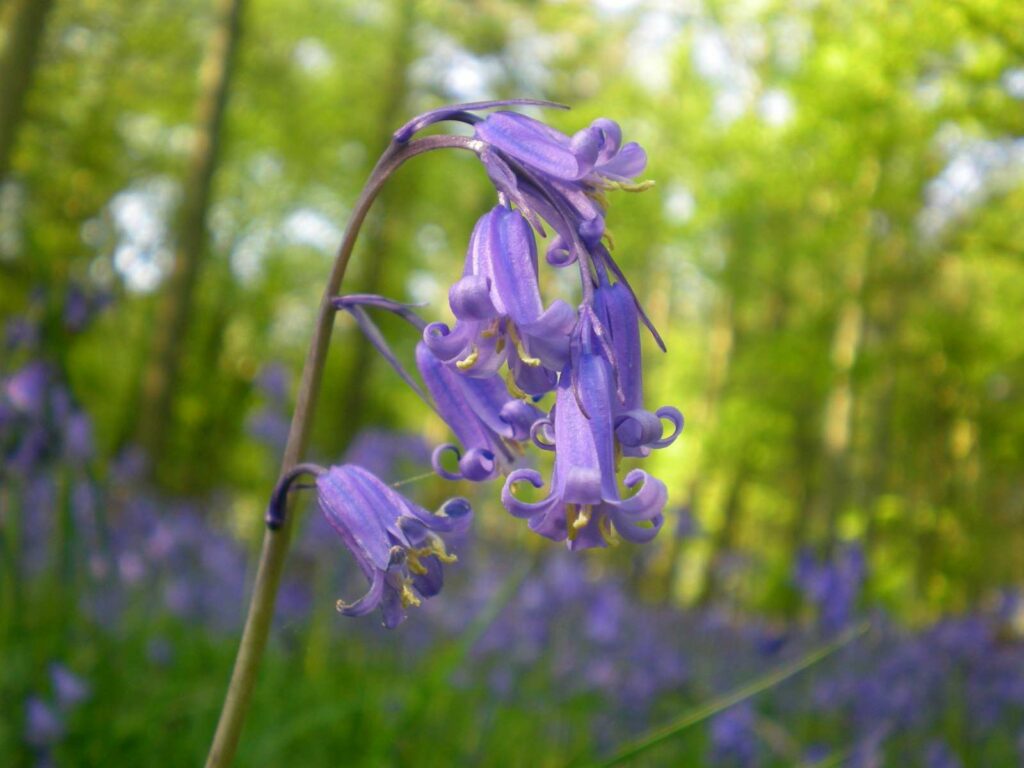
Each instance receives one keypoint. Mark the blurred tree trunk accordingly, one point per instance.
(721, 342)
(175, 305)
(225, 391)
(24, 25)
(378, 238)
(846, 342)
(724, 540)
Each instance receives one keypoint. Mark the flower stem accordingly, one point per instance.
(275, 543)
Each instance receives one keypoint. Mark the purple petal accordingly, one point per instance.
(617, 271)
(645, 504)
(637, 532)
(478, 464)
(560, 253)
(626, 165)
(454, 517)
(450, 344)
(513, 258)
(542, 434)
(547, 338)
(392, 610)
(584, 443)
(637, 428)
(537, 145)
(672, 414)
(449, 391)
(515, 506)
(534, 380)
(457, 514)
(430, 583)
(487, 397)
(615, 306)
(470, 298)
(367, 602)
(354, 508)
(589, 536)
(520, 418)
(611, 138)
(436, 461)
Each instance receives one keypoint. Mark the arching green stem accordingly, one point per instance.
(275, 543)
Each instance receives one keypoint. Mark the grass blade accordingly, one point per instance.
(713, 707)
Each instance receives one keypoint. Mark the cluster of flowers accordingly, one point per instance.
(589, 357)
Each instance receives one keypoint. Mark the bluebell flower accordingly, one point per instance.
(21, 333)
(396, 543)
(69, 689)
(939, 755)
(584, 505)
(499, 312)
(636, 429)
(43, 725)
(27, 389)
(733, 738)
(486, 419)
(833, 587)
(81, 306)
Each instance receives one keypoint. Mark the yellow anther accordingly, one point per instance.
(642, 186)
(577, 516)
(412, 558)
(583, 519)
(609, 533)
(599, 197)
(513, 388)
(436, 548)
(469, 361)
(446, 557)
(533, 362)
(409, 597)
(607, 237)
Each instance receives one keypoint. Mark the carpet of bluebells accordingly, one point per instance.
(121, 610)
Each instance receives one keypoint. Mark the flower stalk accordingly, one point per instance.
(275, 542)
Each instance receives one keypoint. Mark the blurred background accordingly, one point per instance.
(832, 253)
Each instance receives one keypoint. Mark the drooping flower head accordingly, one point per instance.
(498, 309)
(589, 356)
(396, 543)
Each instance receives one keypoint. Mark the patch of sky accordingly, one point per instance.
(974, 170)
(142, 253)
(312, 57)
(308, 226)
